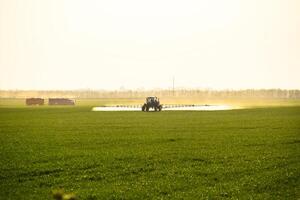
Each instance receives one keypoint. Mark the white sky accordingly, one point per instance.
(75, 44)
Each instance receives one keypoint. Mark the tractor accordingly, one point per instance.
(152, 102)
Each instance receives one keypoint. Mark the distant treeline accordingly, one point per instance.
(180, 93)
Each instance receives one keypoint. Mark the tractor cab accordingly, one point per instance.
(152, 99)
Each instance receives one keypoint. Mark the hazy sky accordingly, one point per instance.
(71, 44)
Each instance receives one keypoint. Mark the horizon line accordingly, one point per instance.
(148, 89)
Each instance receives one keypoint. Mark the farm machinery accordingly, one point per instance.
(152, 102)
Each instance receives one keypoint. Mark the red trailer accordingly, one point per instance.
(35, 101)
(61, 101)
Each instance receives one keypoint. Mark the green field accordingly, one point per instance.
(238, 154)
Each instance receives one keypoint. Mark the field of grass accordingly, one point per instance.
(238, 154)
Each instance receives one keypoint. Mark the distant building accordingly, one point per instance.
(35, 101)
(60, 101)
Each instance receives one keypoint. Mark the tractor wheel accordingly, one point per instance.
(159, 108)
(143, 108)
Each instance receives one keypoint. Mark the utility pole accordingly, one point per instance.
(173, 86)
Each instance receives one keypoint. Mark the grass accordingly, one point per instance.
(238, 154)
